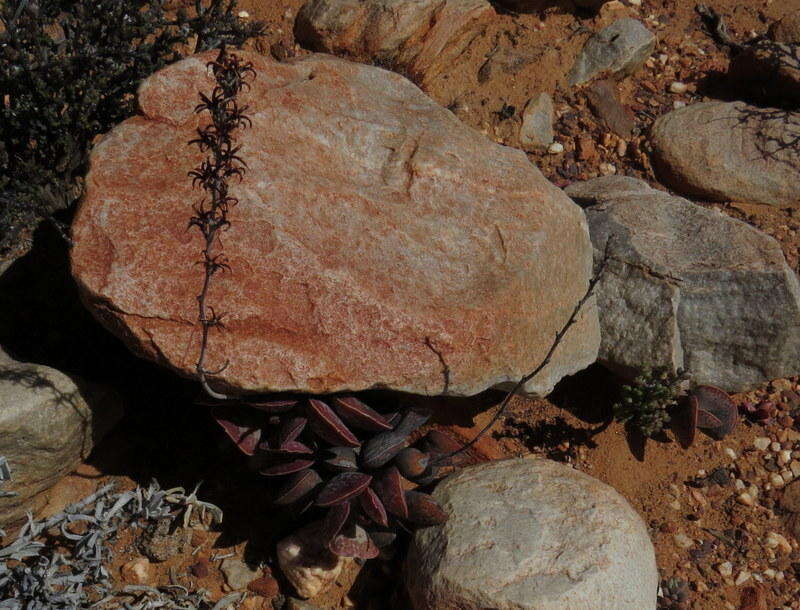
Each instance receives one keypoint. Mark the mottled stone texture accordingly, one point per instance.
(531, 534)
(378, 242)
(723, 151)
(47, 426)
(689, 287)
(418, 37)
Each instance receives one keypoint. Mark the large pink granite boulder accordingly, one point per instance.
(378, 241)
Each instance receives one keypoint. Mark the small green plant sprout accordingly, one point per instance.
(647, 405)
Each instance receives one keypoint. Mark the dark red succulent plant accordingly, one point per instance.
(348, 460)
(709, 409)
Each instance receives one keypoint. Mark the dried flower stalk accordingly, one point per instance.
(221, 164)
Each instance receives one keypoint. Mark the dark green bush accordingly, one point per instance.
(68, 72)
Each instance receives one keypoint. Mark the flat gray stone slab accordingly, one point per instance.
(689, 287)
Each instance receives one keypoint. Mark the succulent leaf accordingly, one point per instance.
(716, 413)
(300, 485)
(291, 428)
(389, 487)
(292, 448)
(334, 521)
(274, 406)
(411, 462)
(373, 507)
(278, 469)
(328, 426)
(423, 510)
(246, 438)
(381, 448)
(357, 414)
(342, 487)
(341, 458)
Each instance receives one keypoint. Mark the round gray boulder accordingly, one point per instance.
(532, 534)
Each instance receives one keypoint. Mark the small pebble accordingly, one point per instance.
(774, 540)
(200, 569)
(237, 573)
(607, 169)
(745, 498)
(700, 586)
(730, 453)
(137, 571)
(787, 476)
(794, 466)
(556, 148)
(678, 87)
(775, 446)
(740, 486)
(742, 578)
(725, 569)
(784, 457)
(762, 443)
(683, 541)
(776, 480)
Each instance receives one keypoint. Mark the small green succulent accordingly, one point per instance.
(647, 402)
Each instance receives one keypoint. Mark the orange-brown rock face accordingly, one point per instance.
(378, 242)
(418, 37)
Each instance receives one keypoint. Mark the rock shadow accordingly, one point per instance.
(539, 6)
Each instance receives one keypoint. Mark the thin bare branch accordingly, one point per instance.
(556, 342)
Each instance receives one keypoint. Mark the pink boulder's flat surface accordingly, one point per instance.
(378, 241)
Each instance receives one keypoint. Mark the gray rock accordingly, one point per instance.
(689, 287)
(237, 573)
(536, 132)
(47, 426)
(619, 50)
(723, 151)
(531, 534)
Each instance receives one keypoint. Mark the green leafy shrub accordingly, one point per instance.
(647, 403)
(68, 72)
